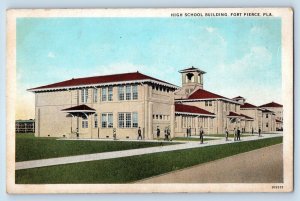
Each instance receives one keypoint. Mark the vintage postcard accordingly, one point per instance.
(150, 100)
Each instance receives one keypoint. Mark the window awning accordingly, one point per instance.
(80, 111)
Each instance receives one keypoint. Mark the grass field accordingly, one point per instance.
(29, 147)
(130, 169)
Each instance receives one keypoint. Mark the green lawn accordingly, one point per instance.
(130, 169)
(29, 147)
(191, 139)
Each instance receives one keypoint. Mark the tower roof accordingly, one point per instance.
(191, 69)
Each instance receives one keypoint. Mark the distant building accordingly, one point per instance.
(25, 126)
(278, 111)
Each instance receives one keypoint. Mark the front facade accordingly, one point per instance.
(105, 109)
(116, 106)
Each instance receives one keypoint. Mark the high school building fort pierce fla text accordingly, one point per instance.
(116, 106)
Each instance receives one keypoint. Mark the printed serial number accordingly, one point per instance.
(277, 187)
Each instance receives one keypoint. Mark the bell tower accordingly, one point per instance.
(192, 78)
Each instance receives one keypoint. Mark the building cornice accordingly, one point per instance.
(205, 99)
(104, 84)
(195, 114)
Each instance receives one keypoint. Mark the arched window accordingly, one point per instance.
(190, 77)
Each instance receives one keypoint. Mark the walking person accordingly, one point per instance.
(139, 134)
(166, 134)
(157, 132)
(259, 131)
(238, 134)
(226, 134)
(201, 135)
(234, 134)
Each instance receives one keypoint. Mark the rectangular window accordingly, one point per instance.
(104, 94)
(210, 103)
(84, 95)
(135, 94)
(267, 125)
(110, 120)
(135, 119)
(95, 95)
(104, 120)
(128, 120)
(110, 93)
(95, 120)
(85, 123)
(121, 120)
(128, 92)
(121, 92)
(206, 103)
(267, 116)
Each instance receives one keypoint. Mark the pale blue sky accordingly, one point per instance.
(242, 56)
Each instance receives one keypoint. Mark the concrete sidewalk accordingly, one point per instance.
(132, 152)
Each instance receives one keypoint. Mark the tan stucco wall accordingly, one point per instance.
(51, 121)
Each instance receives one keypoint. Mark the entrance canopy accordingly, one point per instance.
(80, 111)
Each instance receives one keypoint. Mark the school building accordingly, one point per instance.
(116, 106)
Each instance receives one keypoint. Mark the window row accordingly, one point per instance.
(127, 92)
(128, 120)
(125, 120)
(208, 103)
(161, 117)
(160, 88)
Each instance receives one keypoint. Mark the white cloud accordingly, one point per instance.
(51, 55)
(255, 29)
(210, 29)
(258, 57)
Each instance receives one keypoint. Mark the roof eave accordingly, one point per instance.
(195, 114)
(102, 84)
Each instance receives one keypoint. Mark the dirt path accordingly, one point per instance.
(259, 166)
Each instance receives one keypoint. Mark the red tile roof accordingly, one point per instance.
(191, 109)
(268, 111)
(78, 108)
(233, 114)
(272, 104)
(247, 117)
(135, 76)
(248, 105)
(203, 94)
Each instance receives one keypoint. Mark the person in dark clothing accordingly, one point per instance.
(259, 131)
(252, 131)
(139, 134)
(77, 132)
(157, 132)
(238, 134)
(226, 134)
(166, 135)
(201, 135)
